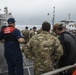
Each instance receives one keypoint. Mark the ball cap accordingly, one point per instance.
(57, 25)
(11, 20)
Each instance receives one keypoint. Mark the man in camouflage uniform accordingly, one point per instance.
(33, 32)
(25, 33)
(44, 49)
(39, 30)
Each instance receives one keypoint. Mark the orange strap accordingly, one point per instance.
(74, 73)
(9, 30)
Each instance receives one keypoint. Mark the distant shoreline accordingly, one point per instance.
(21, 27)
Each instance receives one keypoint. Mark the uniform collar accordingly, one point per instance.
(45, 32)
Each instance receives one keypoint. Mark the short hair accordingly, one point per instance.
(34, 27)
(46, 26)
(26, 27)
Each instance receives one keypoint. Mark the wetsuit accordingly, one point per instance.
(68, 40)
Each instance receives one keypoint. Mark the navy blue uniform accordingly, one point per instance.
(12, 50)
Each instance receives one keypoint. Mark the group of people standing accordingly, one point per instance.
(45, 49)
(27, 34)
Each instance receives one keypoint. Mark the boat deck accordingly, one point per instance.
(28, 65)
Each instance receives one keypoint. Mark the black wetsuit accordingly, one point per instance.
(68, 40)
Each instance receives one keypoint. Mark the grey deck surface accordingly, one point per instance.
(28, 65)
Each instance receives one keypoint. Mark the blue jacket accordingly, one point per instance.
(11, 36)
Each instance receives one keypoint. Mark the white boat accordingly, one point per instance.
(4, 17)
(69, 25)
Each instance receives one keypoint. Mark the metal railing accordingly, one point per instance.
(60, 70)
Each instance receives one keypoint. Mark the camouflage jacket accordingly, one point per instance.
(32, 33)
(25, 33)
(43, 49)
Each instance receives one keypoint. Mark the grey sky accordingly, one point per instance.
(35, 11)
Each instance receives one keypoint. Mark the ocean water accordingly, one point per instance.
(21, 27)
